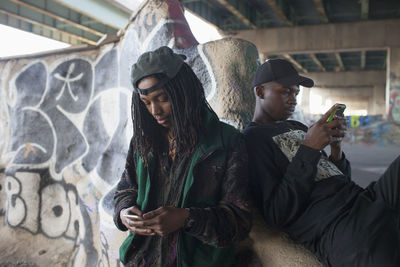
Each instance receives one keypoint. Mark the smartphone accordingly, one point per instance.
(338, 111)
(133, 216)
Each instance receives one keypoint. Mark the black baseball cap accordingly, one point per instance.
(162, 61)
(280, 71)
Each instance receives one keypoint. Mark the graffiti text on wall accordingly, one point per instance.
(361, 121)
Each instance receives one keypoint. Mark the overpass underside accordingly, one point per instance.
(356, 62)
(345, 42)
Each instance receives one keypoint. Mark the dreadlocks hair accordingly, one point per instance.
(186, 95)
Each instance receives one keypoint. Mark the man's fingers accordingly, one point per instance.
(141, 231)
(336, 139)
(143, 223)
(337, 123)
(153, 213)
(333, 124)
(340, 134)
(135, 210)
(328, 113)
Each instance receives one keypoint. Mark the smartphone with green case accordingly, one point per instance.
(338, 111)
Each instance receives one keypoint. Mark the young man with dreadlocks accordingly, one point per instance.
(185, 179)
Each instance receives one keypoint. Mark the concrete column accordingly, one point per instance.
(393, 84)
(378, 100)
(263, 57)
(305, 99)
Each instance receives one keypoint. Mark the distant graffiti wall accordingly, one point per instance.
(362, 121)
(382, 133)
(394, 100)
(372, 130)
(65, 128)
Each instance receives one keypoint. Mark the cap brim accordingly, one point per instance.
(296, 80)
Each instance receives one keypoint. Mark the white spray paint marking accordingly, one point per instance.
(67, 80)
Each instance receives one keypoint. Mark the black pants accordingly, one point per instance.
(369, 235)
(387, 188)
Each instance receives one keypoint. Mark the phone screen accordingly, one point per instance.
(338, 111)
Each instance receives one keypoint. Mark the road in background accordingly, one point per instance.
(368, 162)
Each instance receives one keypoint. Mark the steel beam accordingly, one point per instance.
(278, 11)
(316, 60)
(204, 10)
(340, 61)
(45, 26)
(65, 20)
(321, 10)
(238, 14)
(99, 10)
(363, 55)
(294, 62)
(364, 9)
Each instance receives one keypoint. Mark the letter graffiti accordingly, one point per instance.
(69, 130)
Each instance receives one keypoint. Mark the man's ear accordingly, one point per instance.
(259, 91)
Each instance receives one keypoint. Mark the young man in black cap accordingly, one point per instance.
(309, 195)
(183, 194)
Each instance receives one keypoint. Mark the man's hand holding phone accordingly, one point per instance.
(340, 132)
(132, 219)
(322, 133)
(161, 221)
(337, 112)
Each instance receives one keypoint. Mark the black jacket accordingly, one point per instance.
(298, 189)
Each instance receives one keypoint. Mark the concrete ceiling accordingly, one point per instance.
(86, 22)
(70, 21)
(234, 15)
(230, 15)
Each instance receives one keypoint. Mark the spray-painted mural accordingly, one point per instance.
(372, 130)
(381, 133)
(65, 128)
(362, 121)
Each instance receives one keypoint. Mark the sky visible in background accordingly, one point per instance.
(17, 42)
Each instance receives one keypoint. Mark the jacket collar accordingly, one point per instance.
(211, 137)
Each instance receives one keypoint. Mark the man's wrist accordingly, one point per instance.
(336, 154)
(189, 221)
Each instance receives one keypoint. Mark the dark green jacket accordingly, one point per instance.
(216, 188)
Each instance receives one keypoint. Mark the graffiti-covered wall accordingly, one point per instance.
(394, 84)
(65, 127)
(394, 100)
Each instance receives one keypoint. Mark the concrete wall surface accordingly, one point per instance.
(357, 89)
(325, 37)
(348, 78)
(65, 128)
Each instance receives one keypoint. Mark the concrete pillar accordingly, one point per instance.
(263, 57)
(305, 99)
(378, 100)
(393, 84)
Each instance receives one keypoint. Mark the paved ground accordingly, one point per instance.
(368, 162)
